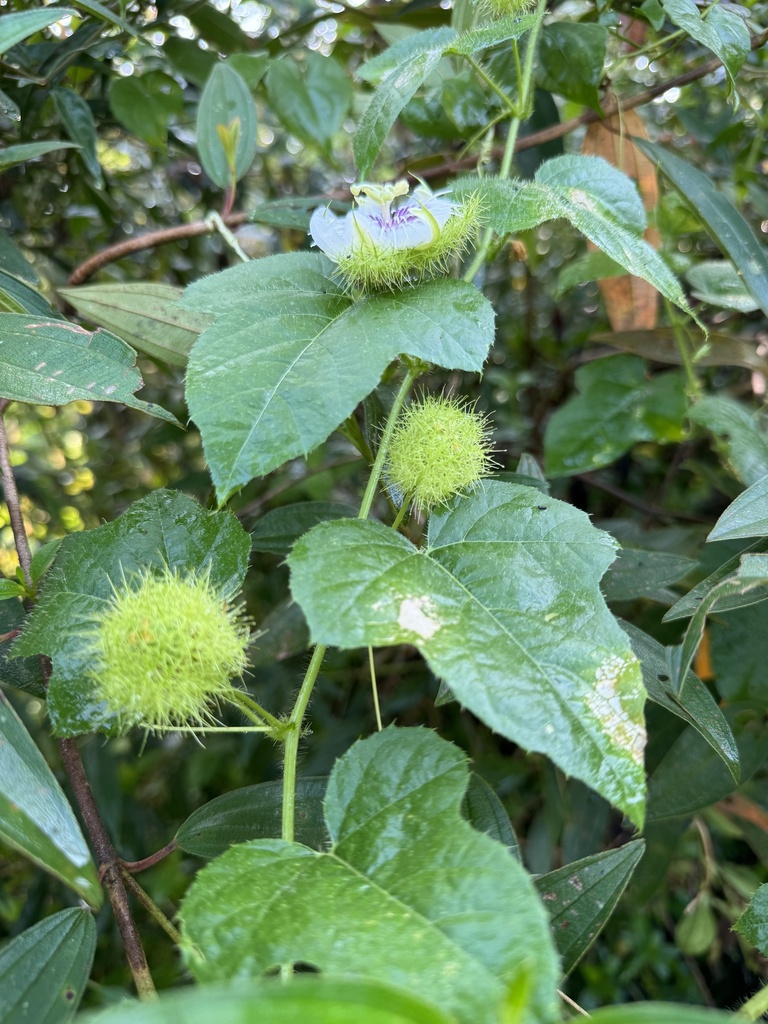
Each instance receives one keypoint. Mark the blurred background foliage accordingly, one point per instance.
(129, 99)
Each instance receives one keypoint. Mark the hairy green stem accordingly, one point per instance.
(483, 75)
(293, 726)
(215, 221)
(756, 1007)
(525, 105)
(374, 689)
(257, 714)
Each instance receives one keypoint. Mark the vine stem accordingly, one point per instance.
(109, 862)
(755, 1007)
(294, 724)
(152, 908)
(523, 111)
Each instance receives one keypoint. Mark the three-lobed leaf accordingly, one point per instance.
(290, 355)
(505, 606)
(408, 893)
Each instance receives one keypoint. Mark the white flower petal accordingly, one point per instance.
(330, 233)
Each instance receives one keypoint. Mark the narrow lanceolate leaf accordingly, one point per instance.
(12, 155)
(581, 896)
(693, 702)
(500, 31)
(505, 606)
(446, 911)
(723, 32)
(144, 313)
(43, 971)
(747, 516)
(659, 1013)
(596, 198)
(35, 816)
(397, 89)
(290, 355)
(720, 218)
(688, 604)
(52, 362)
(165, 528)
(753, 923)
(322, 999)
(17, 27)
(77, 118)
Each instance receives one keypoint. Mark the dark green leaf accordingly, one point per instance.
(226, 104)
(593, 266)
(12, 155)
(145, 104)
(485, 812)
(572, 60)
(188, 57)
(753, 923)
(281, 634)
(747, 516)
(42, 558)
(499, 607)
(312, 105)
(43, 971)
(617, 407)
(739, 649)
(720, 219)
(320, 1000)
(77, 119)
(218, 28)
(654, 12)
(35, 816)
(13, 261)
(694, 703)
(17, 27)
(261, 398)
(145, 314)
(408, 891)
(743, 443)
(721, 31)
(688, 604)
(397, 89)
(52, 362)
(18, 297)
(278, 530)
(581, 896)
(104, 14)
(691, 775)
(23, 673)
(250, 66)
(165, 528)
(644, 573)
(254, 812)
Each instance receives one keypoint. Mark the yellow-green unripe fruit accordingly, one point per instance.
(165, 650)
(439, 448)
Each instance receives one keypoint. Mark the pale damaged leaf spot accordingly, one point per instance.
(580, 198)
(419, 615)
(611, 702)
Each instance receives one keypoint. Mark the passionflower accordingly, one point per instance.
(439, 448)
(165, 649)
(392, 238)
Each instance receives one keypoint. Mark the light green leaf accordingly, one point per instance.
(17, 27)
(17, 297)
(617, 407)
(505, 607)
(581, 896)
(145, 104)
(278, 530)
(595, 197)
(740, 438)
(12, 155)
(254, 812)
(747, 516)
(718, 283)
(397, 89)
(313, 104)
(320, 1000)
(35, 816)
(77, 119)
(53, 362)
(226, 104)
(14, 263)
(721, 31)
(719, 217)
(693, 703)
(592, 266)
(9, 108)
(499, 31)
(572, 60)
(43, 971)
(753, 923)
(447, 911)
(261, 397)
(250, 66)
(9, 589)
(411, 45)
(104, 14)
(145, 314)
(165, 528)
(688, 604)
